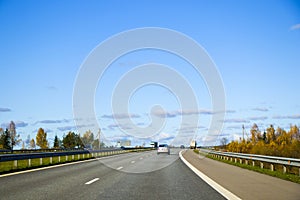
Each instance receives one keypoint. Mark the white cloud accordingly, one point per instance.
(5, 110)
(121, 116)
(162, 137)
(295, 27)
(50, 121)
(19, 124)
(236, 121)
(258, 118)
(261, 109)
(286, 117)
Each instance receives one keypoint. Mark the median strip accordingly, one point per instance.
(92, 181)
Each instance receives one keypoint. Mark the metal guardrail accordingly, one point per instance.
(11, 162)
(272, 160)
(24, 156)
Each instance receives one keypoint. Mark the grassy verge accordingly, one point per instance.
(289, 177)
(8, 166)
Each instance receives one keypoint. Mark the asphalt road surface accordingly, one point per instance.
(244, 183)
(144, 175)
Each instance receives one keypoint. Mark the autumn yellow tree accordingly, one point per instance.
(294, 133)
(88, 139)
(271, 134)
(32, 144)
(275, 143)
(41, 139)
(255, 134)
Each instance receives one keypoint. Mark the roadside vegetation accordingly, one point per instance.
(9, 139)
(271, 142)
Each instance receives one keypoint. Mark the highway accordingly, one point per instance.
(143, 175)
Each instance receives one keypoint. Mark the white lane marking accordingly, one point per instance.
(141, 158)
(132, 161)
(119, 168)
(224, 192)
(92, 181)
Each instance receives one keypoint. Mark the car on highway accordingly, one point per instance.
(163, 148)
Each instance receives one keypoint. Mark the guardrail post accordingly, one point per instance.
(284, 169)
(29, 162)
(83, 156)
(78, 156)
(59, 159)
(231, 159)
(241, 161)
(41, 161)
(66, 157)
(246, 162)
(235, 160)
(50, 160)
(261, 165)
(253, 163)
(15, 164)
(272, 167)
(72, 157)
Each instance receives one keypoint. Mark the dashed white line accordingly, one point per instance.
(141, 158)
(92, 181)
(132, 161)
(119, 168)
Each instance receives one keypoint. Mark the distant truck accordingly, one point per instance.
(193, 144)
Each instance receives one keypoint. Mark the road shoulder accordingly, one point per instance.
(244, 183)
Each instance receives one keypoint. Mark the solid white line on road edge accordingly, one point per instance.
(92, 181)
(132, 161)
(119, 168)
(224, 192)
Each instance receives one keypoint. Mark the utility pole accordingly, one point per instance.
(243, 132)
(99, 133)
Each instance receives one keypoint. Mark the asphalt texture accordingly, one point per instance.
(143, 175)
(244, 183)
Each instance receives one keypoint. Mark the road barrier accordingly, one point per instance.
(12, 162)
(274, 163)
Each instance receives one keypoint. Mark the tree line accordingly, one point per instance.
(273, 142)
(71, 140)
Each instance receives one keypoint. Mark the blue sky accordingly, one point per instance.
(254, 44)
